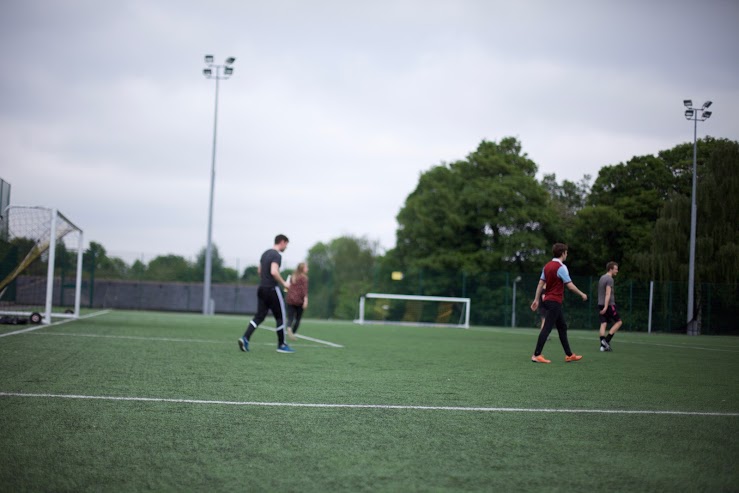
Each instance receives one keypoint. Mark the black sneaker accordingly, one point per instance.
(604, 346)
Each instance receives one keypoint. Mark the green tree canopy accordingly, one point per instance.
(484, 213)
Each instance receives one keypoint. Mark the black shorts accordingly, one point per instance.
(611, 315)
(542, 310)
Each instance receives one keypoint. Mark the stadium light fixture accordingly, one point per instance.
(217, 72)
(696, 115)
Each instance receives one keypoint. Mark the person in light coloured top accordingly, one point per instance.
(555, 277)
(607, 306)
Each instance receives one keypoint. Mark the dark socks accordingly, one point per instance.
(610, 336)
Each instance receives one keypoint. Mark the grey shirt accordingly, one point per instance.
(606, 280)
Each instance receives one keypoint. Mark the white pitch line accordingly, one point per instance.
(367, 406)
(162, 339)
(332, 344)
(30, 329)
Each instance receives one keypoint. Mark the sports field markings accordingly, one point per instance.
(31, 329)
(162, 339)
(368, 406)
(301, 336)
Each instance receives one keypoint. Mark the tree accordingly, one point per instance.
(251, 275)
(717, 236)
(566, 200)
(102, 266)
(484, 213)
(218, 272)
(169, 268)
(340, 272)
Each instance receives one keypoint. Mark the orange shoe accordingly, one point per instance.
(573, 357)
(539, 359)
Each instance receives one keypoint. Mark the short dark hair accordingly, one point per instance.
(559, 249)
(281, 238)
(610, 265)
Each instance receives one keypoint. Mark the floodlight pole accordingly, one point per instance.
(695, 114)
(217, 72)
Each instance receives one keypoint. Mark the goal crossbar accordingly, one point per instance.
(412, 297)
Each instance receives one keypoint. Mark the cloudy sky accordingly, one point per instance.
(334, 108)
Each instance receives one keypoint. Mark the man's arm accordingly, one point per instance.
(607, 299)
(275, 271)
(539, 287)
(571, 286)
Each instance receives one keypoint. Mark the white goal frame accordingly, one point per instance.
(412, 297)
(53, 236)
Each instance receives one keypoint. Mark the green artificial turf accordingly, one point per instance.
(219, 419)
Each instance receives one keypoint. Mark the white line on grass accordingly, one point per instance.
(300, 336)
(144, 338)
(367, 406)
(30, 329)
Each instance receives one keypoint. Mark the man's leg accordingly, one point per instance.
(298, 316)
(261, 314)
(277, 305)
(291, 311)
(562, 330)
(552, 312)
(613, 316)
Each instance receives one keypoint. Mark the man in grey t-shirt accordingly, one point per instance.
(607, 306)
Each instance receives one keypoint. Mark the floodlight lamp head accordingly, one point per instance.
(207, 72)
(208, 58)
(230, 60)
(688, 114)
(688, 103)
(228, 70)
(707, 105)
(707, 115)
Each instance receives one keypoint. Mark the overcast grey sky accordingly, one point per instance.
(334, 108)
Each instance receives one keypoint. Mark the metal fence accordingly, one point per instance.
(491, 294)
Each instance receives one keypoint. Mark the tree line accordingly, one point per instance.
(489, 213)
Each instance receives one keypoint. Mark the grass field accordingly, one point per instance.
(132, 401)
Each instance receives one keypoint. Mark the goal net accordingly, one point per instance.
(40, 265)
(405, 309)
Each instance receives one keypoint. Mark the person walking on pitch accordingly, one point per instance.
(297, 299)
(555, 277)
(607, 306)
(269, 295)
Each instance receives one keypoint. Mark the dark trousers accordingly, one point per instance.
(294, 314)
(268, 299)
(555, 317)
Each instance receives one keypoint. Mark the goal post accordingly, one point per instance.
(37, 244)
(417, 310)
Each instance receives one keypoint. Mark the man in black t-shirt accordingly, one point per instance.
(269, 295)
